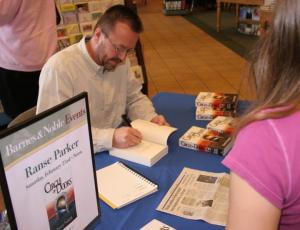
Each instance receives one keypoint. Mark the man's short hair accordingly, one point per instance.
(119, 13)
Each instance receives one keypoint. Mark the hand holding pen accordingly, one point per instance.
(126, 136)
(126, 120)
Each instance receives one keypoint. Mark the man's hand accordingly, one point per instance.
(160, 120)
(125, 137)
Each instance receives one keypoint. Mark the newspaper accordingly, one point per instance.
(198, 195)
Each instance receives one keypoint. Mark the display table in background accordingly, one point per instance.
(238, 3)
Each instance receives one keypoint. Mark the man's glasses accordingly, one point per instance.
(119, 50)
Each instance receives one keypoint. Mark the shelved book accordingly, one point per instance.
(220, 101)
(153, 146)
(201, 139)
(222, 124)
(119, 185)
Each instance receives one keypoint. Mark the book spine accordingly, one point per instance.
(217, 106)
(209, 149)
(205, 117)
(226, 131)
(186, 144)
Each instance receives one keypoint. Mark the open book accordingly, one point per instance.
(119, 185)
(153, 146)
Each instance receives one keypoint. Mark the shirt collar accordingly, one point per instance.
(92, 64)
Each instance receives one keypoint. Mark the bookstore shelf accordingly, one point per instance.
(175, 7)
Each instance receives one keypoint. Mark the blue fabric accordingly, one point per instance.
(179, 109)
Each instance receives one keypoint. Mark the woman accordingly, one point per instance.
(264, 162)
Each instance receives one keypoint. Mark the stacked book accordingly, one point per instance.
(215, 138)
(210, 105)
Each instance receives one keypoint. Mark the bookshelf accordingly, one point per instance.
(175, 7)
(256, 3)
(78, 18)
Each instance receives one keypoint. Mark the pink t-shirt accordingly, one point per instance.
(267, 155)
(27, 33)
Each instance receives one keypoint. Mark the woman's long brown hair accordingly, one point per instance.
(274, 68)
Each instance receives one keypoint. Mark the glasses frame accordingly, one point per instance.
(118, 50)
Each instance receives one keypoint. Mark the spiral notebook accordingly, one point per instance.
(119, 185)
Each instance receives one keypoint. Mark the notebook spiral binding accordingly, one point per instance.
(137, 174)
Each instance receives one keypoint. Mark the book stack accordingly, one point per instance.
(210, 105)
(207, 140)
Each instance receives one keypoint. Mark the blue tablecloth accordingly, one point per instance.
(179, 109)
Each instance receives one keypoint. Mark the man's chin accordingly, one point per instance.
(110, 67)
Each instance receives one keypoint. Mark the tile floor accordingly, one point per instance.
(182, 58)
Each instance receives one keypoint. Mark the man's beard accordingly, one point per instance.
(110, 64)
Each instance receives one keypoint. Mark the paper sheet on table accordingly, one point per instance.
(198, 195)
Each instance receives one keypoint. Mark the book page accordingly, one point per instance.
(157, 225)
(153, 132)
(146, 153)
(119, 185)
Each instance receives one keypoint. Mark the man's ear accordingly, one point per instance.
(98, 33)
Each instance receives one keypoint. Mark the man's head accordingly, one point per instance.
(115, 34)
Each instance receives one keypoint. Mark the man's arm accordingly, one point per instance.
(124, 137)
(55, 86)
(248, 209)
(8, 10)
(139, 105)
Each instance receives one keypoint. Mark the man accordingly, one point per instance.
(98, 65)
(27, 39)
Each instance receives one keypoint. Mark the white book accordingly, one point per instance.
(153, 146)
(119, 185)
(157, 225)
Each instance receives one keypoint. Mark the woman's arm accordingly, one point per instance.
(248, 209)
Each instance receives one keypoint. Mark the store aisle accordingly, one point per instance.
(182, 58)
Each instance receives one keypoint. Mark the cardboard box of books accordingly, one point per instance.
(206, 113)
(221, 124)
(215, 100)
(198, 138)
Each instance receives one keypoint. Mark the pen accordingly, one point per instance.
(126, 120)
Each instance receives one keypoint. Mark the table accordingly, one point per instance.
(179, 109)
(237, 2)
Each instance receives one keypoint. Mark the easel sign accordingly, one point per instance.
(47, 169)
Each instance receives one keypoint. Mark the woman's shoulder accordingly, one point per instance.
(282, 125)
